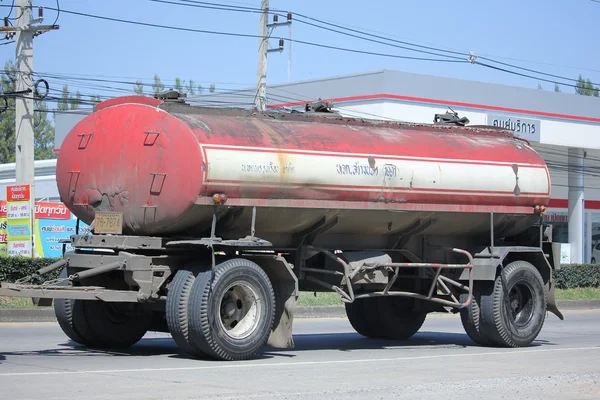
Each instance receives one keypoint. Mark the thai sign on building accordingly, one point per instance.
(528, 129)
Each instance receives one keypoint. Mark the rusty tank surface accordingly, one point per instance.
(159, 163)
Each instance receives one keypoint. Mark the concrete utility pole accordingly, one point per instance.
(290, 48)
(24, 102)
(25, 92)
(261, 71)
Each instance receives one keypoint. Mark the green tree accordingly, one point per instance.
(200, 89)
(67, 102)
(63, 103)
(139, 88)
(540, 86)
(43, 133)
(585, 87)
(179, 85)
(556, 87)
(191, 89)
(43, 129)
(76, 101)
(212, 88)
(157, 86)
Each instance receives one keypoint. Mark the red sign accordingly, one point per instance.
(46, 210)
(43, 210)
(18, 193)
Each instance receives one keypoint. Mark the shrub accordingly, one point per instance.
(577, 275)
(14, 268)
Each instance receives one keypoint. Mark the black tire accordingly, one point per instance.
(64, 311)
(593, 260)
(470, 316)
(207, 325)
(363, 316)
(520, 288)
(178, 310)
(398, 318)
(112, 325)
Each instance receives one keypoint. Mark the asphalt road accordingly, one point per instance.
(330, 361)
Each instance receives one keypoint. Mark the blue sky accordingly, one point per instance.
(552, 33)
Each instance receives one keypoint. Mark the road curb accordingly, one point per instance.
(47, 314)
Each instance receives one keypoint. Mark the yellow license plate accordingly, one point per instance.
(108, 223)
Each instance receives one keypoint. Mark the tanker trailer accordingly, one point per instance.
(207, 223)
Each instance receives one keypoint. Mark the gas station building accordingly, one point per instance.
(564, 128)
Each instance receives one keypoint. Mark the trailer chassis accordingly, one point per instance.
(148, 264)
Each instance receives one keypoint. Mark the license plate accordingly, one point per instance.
(108, 223)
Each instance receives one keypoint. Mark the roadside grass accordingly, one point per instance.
(321, 299)
(17, 302)
(333, 299)
(587, 293)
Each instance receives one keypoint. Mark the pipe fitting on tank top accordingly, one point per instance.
(219, 198)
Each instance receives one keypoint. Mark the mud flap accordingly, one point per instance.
(285, 300)
(551, 301)
(285, 286)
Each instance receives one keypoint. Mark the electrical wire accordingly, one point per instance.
(58, 12)
(214, 6)
(532, 70)
(202, 4)
(199, 4)
(524, 75)
(12, 6)
(234, 34)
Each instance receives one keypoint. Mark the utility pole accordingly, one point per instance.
(24, 150)
(260, 101)
(25, 92)
(290, 48)
(261, 71)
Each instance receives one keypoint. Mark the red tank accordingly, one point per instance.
(159, 163)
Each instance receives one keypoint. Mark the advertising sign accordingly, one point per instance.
(528, 129)
(53, 223)
(18, 218)
(3, 230)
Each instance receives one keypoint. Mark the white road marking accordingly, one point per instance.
(300, 363)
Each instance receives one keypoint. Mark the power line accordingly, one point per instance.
(12, 6)
(524, 75)
(202, 4)
(232, 34)
(534, 71)
(213, 6)
(57, 13)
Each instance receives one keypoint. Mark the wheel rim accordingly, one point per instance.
(521, 304)
(240, 311)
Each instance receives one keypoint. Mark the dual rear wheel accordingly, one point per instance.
(226, 313)
(508, 312)
(101, 324)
